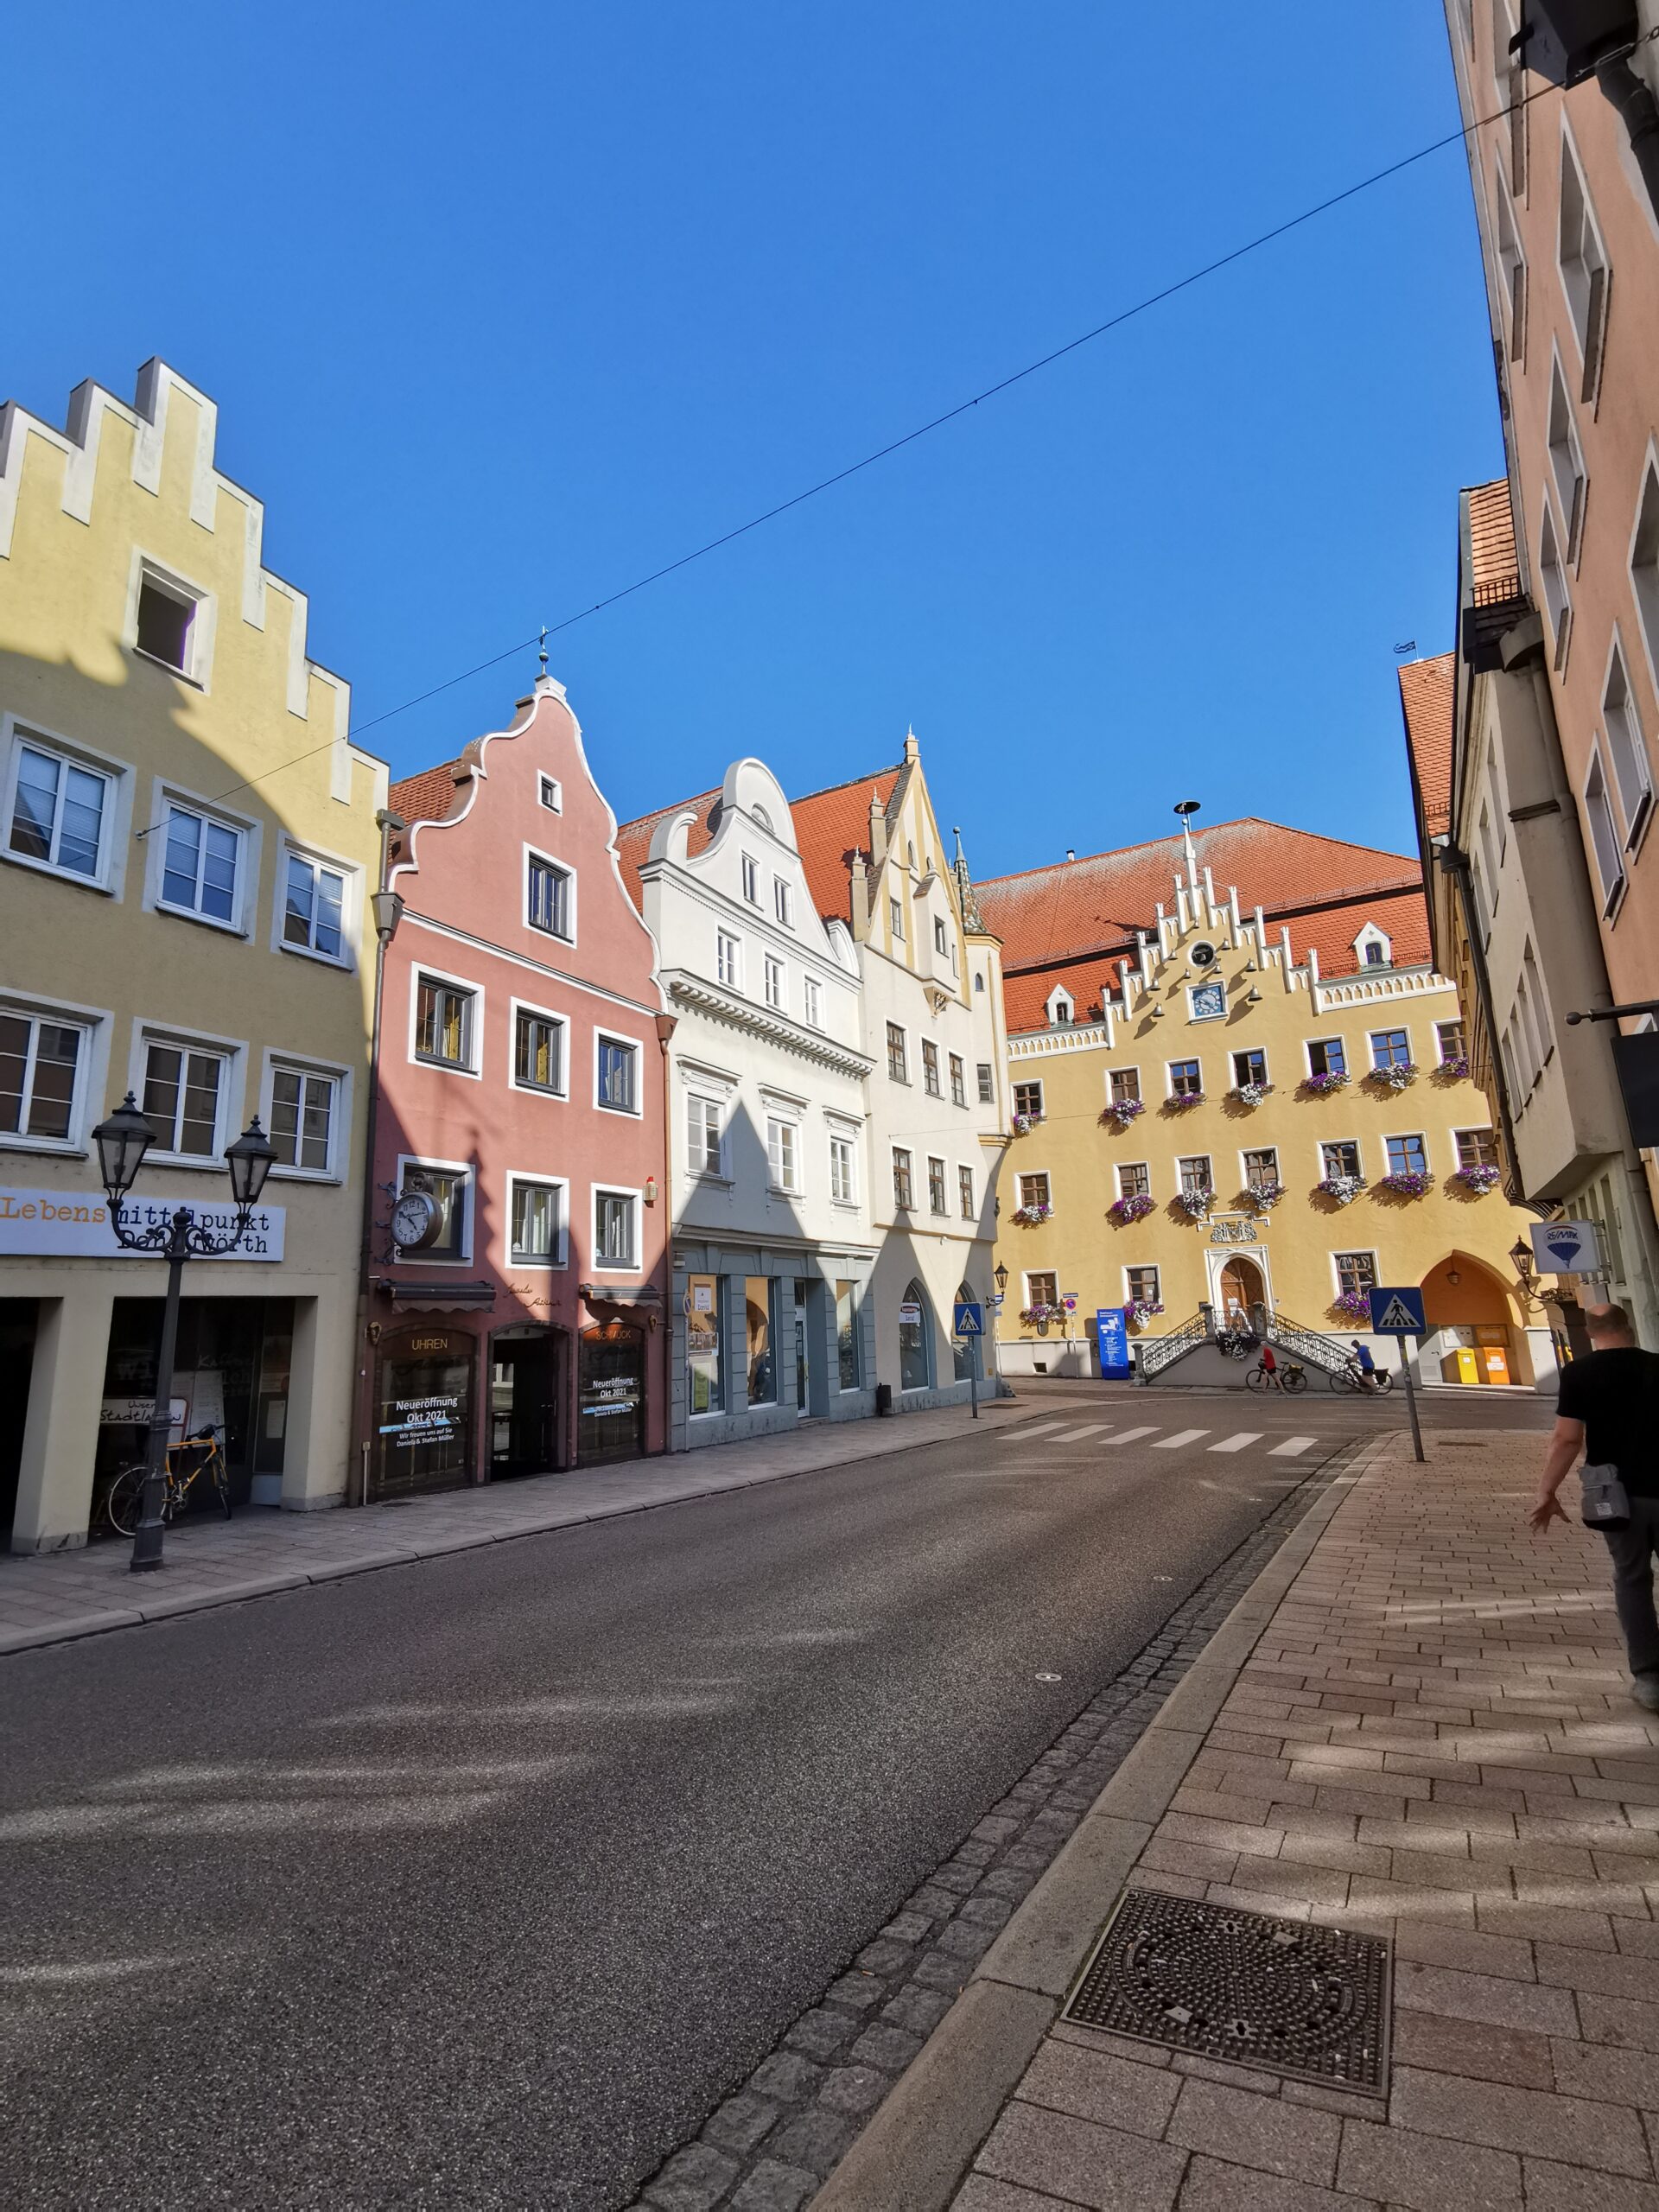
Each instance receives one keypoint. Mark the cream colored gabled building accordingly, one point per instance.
(188, 842)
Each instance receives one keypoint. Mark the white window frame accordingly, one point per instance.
(535, 858)
(1341, 1042)
(1027, 1275)
(694, 1094)
(957, 1070)
(1372, 1036)
(1596, 800)
(167, 795)
(1024, 1175)
(1170, 1067)
(1564, 457)
(1369, 935)
(113, 829)
(780, 1121)
(1148, 1268)
(782, 900)
(1457, 1136)
(91, 1065)
(968, 1190)
(1642, 561)
(1326, 1171)
(1248, 1052)
(278, 1062)
(775, 982)
(467, 1170)
(1123, 1169)
(549, 793)
(1205, 1159)
(1628, 747)
(471, 1064)
(561, 1022)
(942, 1212)
(231, 1051)
(749, 878)
(728, 959)
(812, 1002)
(616, 1190)
(1420, 1137)
(1552, 574)
(203, 620)
(1582, 331)
(561, 1257)
(351, 906)
(1511, 258)
(941, 943)
(1452, 1021)
(896, 918)
(906, 1152)
(604, 1033)
(1030, 1082)
(1355, 1252)
(1247, 1152)
(848, 1140)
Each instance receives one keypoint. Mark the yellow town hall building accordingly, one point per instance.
(1238, 1106)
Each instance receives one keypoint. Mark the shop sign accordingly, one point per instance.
(140, 1413)
(432, 1420)
(910, 1314)
(73, 1224)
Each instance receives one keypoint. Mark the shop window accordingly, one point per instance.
(304, 1107)
(615, 1229)
(915, 1341)
(1185, 1079)
(314, 906)
(1134, 1179)
(40, 1068)
(425, 1424)
(847, 1346)
(538, 1052)
(759, 1295)
(935, 1197)
(898, 1062)
(958, 1087)
(610, 1393)
(704, 1384)
(903, 1196)
(183, 1094)
(201, 866)
(537, 1227)
(616, 1074)
(59, 813)
(550, 897)
(443, 1023)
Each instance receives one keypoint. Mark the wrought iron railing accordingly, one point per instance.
(1318, 1350)
(1155, 1353)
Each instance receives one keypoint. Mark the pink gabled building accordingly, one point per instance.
(517, 1268)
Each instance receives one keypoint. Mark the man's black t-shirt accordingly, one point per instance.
(1616, 1394)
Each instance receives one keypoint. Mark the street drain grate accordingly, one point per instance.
(1242, 1986)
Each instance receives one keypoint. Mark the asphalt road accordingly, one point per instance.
(479, 1883)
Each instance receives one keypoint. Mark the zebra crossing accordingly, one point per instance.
(1107, 1436)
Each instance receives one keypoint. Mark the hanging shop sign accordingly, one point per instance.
(73, 1224)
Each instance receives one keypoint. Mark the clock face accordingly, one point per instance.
(414, 1220)
(1209, 1002)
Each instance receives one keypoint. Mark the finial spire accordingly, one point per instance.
(1187, 808)
(543, 651)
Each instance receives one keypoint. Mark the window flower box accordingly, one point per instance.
(1396, 1078)
(1140, 1310)
(1345, 1189)
(1353, 1306)
(1249, 1094)
(1123, 1111)
(1039, 1316)
(1032, 1216)
(1408, 1184)
(1454, 1068)
(1195, 1204)
(1265, 1196)
(1022, 1122)
(1480, 1178)
(1178, 1101)
(1135, 1208)
(1321, 1086)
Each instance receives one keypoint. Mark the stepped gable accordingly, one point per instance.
(1427, 699)
(1069, 921)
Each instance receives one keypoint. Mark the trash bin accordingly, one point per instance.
(884, 1397)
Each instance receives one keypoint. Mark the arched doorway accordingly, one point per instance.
(1471, 1337)
(915, 1340)
(1240, 1291)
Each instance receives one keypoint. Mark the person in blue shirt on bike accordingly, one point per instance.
(1366, 1364)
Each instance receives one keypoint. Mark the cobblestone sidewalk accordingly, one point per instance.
(1431, 1738)
(52, 1597)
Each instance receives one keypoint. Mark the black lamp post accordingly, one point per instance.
(1002, 1274)
(122, 1142)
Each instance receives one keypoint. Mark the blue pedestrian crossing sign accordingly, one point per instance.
(971, 1317)
(1396, 1312)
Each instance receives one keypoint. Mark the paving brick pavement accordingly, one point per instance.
(52, 1597)
(1431, 1739)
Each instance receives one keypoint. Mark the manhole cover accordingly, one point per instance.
(1238, 1985)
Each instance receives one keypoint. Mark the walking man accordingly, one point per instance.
(1609, 1409)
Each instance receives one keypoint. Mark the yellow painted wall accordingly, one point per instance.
(259, 735)
(1276, 1009)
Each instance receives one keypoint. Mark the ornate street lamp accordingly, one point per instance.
(122, 1142)
(1521, 1259)
(1002, 1274)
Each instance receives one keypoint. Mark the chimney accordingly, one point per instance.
(860, 899)
(877, 829)
(1070, 855)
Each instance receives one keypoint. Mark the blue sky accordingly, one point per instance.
(504, 309)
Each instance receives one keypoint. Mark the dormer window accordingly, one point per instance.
(1060, 1010)
(1372, 949)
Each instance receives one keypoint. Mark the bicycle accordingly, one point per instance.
(1287, 1376)
(1351, 1375)
(125, 1503)
(1236, 1343)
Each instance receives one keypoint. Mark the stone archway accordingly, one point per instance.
(1474, 1335)
(1240, 1289)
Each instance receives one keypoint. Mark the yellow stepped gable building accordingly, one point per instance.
(1226, 1113)
(188, 842)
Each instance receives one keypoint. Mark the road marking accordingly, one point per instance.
(1133, 1435)
(1237, 1443)
(1072, 1435)
(1028, 1435)
(1291, 1446)
(1181, 1436)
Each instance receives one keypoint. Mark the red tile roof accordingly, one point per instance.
(1427, 695)
(430, 795)
(830, 826)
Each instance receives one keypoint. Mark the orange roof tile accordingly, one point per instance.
(830, 826)
(430, 795)
(1427, 697)
(1491, 533)
(633, 838)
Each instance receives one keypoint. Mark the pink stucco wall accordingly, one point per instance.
(463, 879)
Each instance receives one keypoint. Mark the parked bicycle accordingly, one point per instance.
(1285, 1375)
(1351, 1375)
(1236, 1343)
(200, 1457)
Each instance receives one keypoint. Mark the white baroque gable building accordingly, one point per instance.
(770, 1167)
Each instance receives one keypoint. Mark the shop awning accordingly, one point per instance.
(438, 1297)
(641, 1294)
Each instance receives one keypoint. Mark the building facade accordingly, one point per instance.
(1566, 188)
(518, 1249)
(769, 1175)
(1244, 1113)
(188, 840)
(1514, 918)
